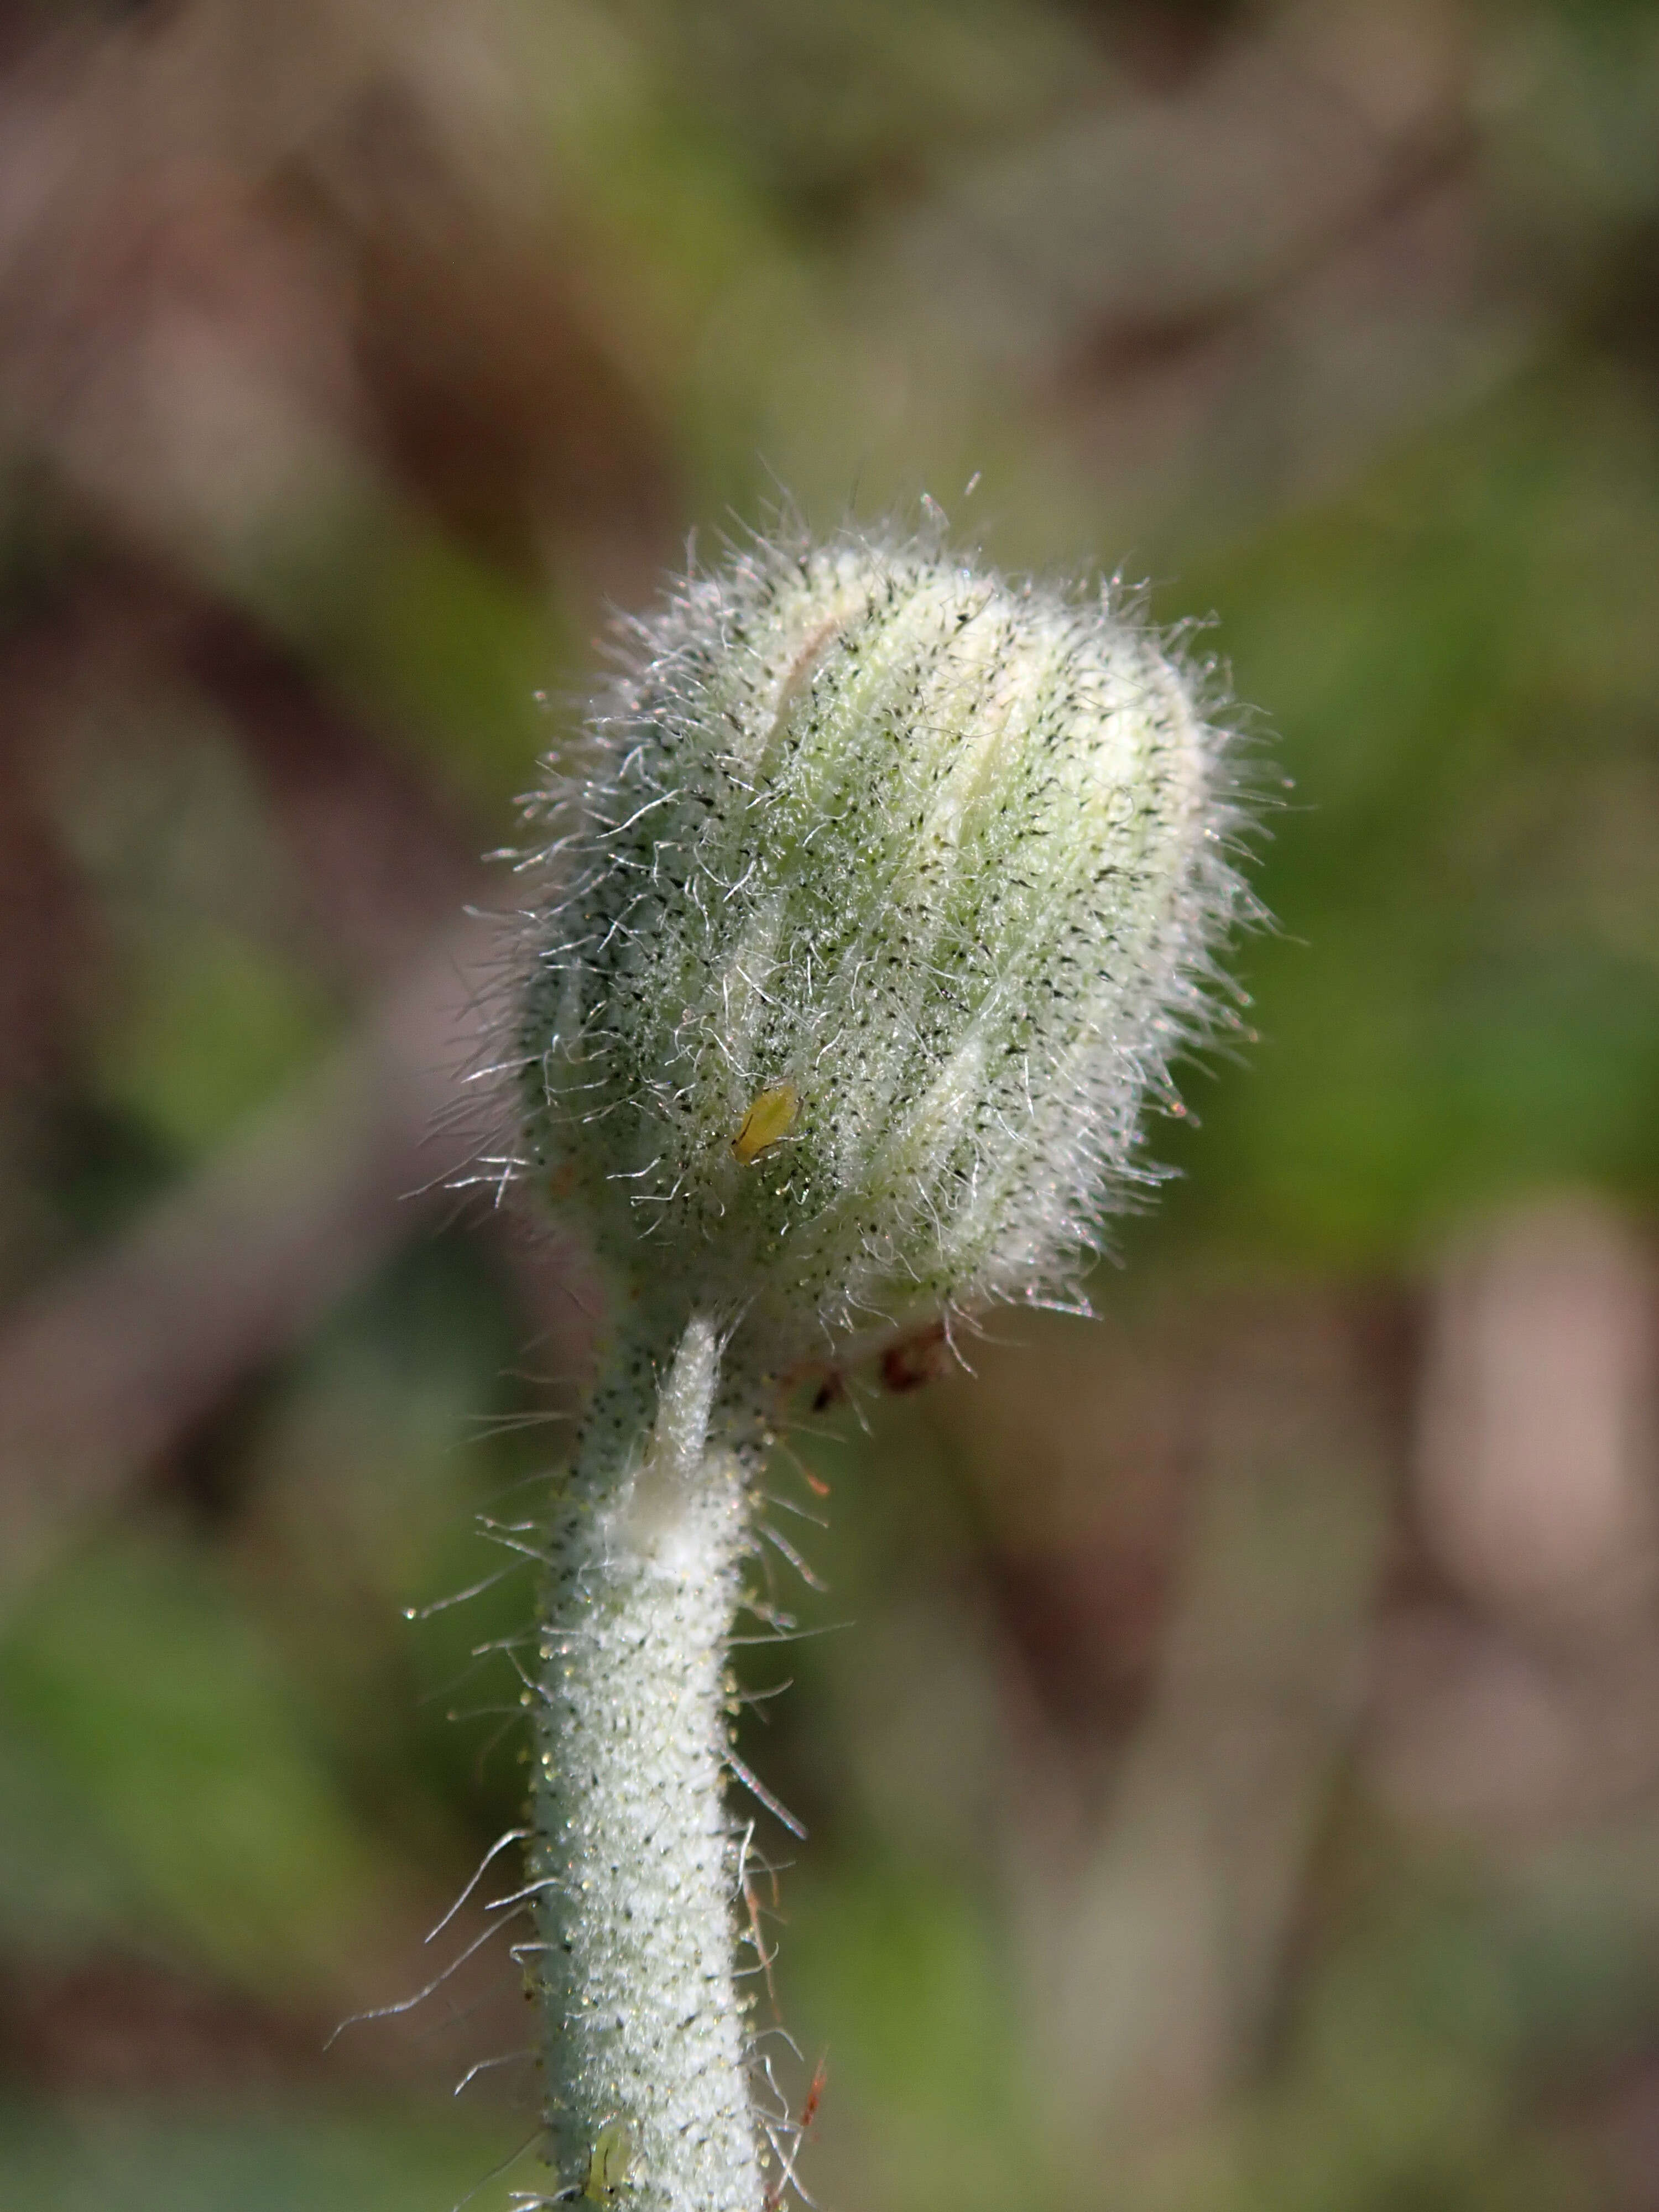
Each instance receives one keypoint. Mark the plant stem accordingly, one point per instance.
(634, 1857)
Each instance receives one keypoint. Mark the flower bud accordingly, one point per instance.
(887, 896)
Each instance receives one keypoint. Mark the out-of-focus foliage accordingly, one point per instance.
(1239, 1785)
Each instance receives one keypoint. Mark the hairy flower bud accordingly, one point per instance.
(887, 897)
(887, 894)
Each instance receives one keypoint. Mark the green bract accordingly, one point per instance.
(887, 898)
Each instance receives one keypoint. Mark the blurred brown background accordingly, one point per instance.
(1240, 1786)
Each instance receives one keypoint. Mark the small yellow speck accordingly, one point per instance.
(772, 1114)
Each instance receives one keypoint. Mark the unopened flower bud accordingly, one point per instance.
(888, 893)
(886, 899)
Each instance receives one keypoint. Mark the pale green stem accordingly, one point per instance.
(634, 1858)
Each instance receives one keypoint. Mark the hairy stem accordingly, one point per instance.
(634, 1859)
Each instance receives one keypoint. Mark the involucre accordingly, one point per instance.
(887, 895)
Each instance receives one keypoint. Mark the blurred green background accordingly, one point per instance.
(1238, 1786)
